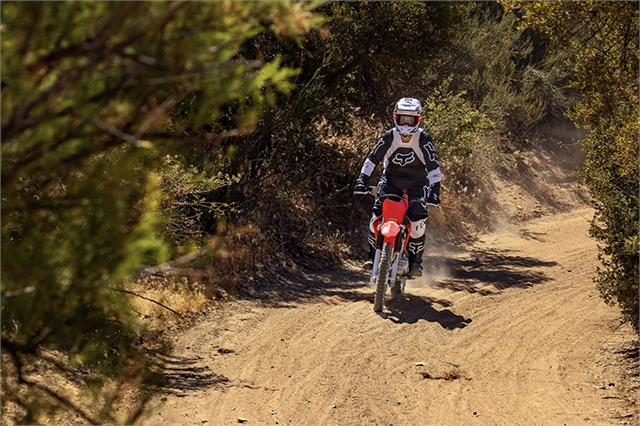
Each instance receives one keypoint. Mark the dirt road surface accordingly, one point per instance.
(510, 331)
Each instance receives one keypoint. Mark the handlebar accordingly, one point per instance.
(373, 190)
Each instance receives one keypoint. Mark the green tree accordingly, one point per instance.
(302, 148)
(94, 94)
(603, 39)
(310, 146)
(365, 56)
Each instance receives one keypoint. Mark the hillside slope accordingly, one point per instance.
(508, 331)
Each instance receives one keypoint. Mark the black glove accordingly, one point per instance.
(434, 194)
(361, 185)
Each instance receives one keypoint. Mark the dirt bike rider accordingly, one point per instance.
(411, 167)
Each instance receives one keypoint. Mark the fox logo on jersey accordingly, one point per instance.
(403, 159)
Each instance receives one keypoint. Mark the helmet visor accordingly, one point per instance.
(406, 120)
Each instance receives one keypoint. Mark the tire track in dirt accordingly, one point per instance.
(511, 332)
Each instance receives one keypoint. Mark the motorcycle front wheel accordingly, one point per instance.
(384, 268)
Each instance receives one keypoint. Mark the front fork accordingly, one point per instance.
(399, 264)
(376, 262)
(396, 266)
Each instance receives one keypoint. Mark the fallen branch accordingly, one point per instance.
(179, 272)
(145, 298)
(170, 267)
(65, 401)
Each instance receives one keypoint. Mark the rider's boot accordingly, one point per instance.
(415, 249)
(368, 264)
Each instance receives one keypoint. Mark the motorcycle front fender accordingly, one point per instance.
(389, 231)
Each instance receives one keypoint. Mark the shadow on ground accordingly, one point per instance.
(489, 271)
(181, 376)
(411, 309)
(306, 286)
(483, 272)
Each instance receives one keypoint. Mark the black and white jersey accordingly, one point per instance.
(405, 163)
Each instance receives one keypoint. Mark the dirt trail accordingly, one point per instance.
(508, 332)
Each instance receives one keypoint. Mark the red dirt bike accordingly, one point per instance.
(390, 264)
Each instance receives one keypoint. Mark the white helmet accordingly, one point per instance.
(407, 116)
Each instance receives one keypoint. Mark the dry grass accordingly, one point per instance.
(164, 301)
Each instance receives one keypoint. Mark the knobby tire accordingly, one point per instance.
(383, 274)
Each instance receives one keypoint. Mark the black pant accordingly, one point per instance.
(417, 193)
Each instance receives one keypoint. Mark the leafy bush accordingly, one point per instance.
(602, 39)
(189, 202)
(458, 128)
(495, 64)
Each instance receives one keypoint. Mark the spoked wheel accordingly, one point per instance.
(383, 274)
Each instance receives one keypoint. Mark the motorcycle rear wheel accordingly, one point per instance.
(383, 274)
(397, 291)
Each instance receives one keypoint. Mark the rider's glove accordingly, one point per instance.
(434, 194)
(361, 185)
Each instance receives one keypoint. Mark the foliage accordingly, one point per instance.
(495, 63)
(310, 145)
(455, 124)
(86, 87)
(365, 53)
(189, 202)
(300, 163)
(378, 49)
(603, 38)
